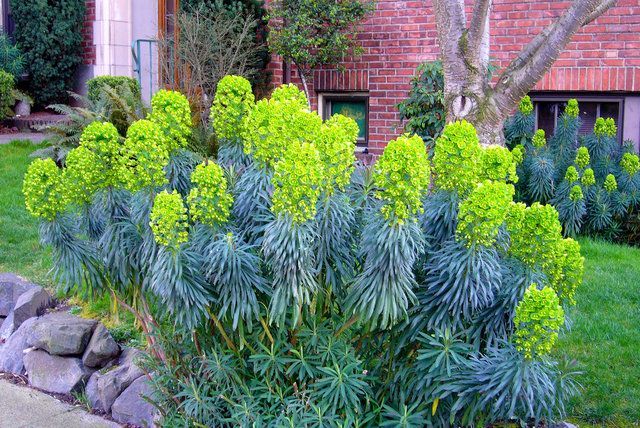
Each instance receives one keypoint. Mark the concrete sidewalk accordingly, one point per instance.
(23, 407)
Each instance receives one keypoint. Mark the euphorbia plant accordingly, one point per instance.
(300, 288)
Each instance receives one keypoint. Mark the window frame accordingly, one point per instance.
(326, 98)
(582, 98)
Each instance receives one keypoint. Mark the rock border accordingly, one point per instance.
(62, 354)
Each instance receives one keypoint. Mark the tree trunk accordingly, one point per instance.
(469, 93)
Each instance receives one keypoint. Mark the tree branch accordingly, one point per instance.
(599, 10)
(538, 56)
(478, 35)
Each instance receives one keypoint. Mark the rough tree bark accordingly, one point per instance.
(469, 92)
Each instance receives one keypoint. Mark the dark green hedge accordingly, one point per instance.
(96, 85)
(7, 84)
(49, 33)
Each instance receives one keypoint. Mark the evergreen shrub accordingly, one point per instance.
(288, 285)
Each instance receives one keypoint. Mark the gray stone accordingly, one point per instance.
(62, 334)
(11, 287)
(53, 373)
(132, 407)
(563, 425)
(30, 304)
(7, 327)
(12, 353)
(105, 386)
(101, 348)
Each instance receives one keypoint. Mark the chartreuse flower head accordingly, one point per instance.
(290, 93)
(571, 176)
(83, 175)
(144, 156)
(605, 127)
(572, 109)
(170, 110)
(483, 212)
(103, 140)
(610, 183)
(209, 202)
(518, 154)
(535, 232)
(588, 177)
(233, 101)
(337, 144)
(538, 319)
(582, 157)
(273, 125)
(43, 189)
(402, 175)
(575, 194)
(566, 276)
(526, 106)
(456, 159)
(539, 139)
(498, 163)
(168, 220)
(630, 163)
(297, 182)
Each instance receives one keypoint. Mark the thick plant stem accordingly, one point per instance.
(220, 328)
(354, 319)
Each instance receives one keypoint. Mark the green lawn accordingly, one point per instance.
(20, 250)
(605, 337)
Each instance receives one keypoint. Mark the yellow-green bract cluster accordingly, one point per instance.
(290, 93)
(498, 163)
(538, 319)
(575, 194)
(518, 154)
(588, 177)
(274, 124)
(94, 164)
(233, 101)
(610, 183)
(297, 181)
(144, 156)
(483, 212)
(456, 158)
(572, 109)
(168, 220)
(209, 202)
(170, 110)
(571, 175)
(536, 240)
(582, 157)
(605, 127)
(336, 145)
(630, 163)
(402, 175)
(539, 139)
(526, 106)
(43, 189)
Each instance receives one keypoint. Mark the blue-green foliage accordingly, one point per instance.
(349, 317)
(543, 175)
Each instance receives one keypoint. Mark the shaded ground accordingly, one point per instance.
(22, 407)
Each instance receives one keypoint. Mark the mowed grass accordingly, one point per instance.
(605, 336)
(20, 250)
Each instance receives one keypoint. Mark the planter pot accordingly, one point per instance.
(22, 109)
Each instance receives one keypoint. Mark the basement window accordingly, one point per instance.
(548, 110)
(353, 105)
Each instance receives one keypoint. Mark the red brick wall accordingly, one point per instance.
(604, 56)
(88, 48)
